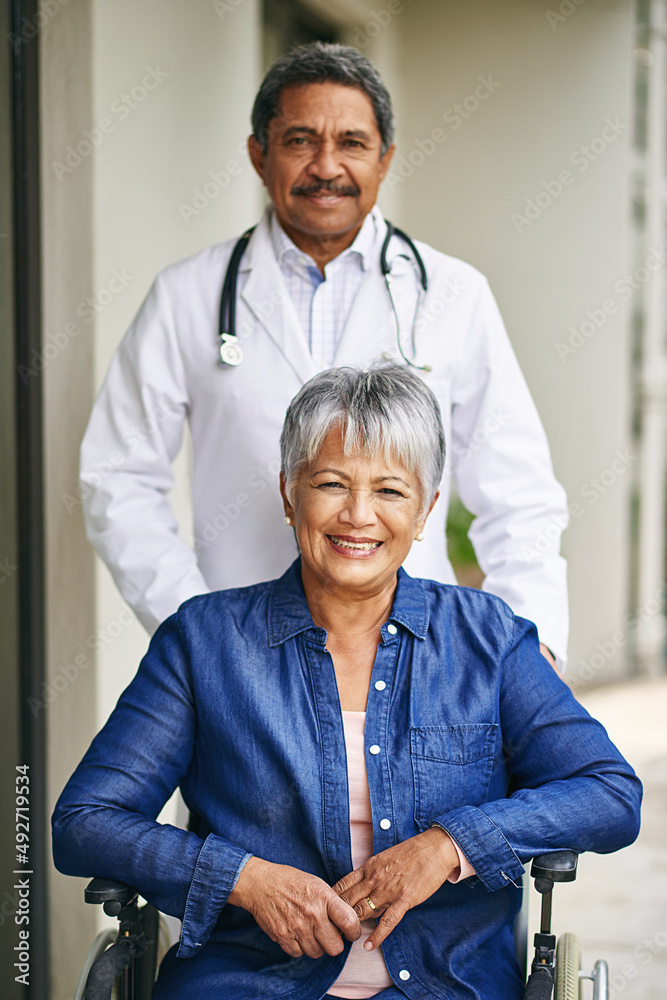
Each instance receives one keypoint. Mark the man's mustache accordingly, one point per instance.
(322, 187)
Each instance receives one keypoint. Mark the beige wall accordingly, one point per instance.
(68, 384)
(552, 87)
(193, 123)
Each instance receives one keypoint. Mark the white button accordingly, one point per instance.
(391, 629)
(374, 749)
(380, 685)
(404, 974)
(385, 824)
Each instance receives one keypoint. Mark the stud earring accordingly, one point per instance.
(288, 520)
(420, 537)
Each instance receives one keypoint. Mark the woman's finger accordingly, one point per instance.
(389, 919)
(344, 885)
(323, 921)
(291, 946)
(371, 905)
(342, 916)
(358, 890)
(328, 938)
(311, 946)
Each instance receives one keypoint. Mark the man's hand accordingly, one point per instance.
(548, 655)
(297, 910)
(398, 879)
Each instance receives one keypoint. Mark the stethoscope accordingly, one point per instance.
(230, 348)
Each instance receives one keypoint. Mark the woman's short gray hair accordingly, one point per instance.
(385, 408)
(322, 62)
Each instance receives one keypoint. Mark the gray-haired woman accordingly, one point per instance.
(363, 749)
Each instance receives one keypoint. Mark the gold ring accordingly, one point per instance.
(371, 903)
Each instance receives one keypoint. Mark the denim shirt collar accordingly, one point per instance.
(288, 613)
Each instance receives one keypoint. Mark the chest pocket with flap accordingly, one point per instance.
(451, 767)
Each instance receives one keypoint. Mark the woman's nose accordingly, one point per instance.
(358, 509)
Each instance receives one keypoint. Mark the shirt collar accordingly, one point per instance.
(363, 244)
(288, 613)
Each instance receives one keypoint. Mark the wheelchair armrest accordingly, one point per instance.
(114, 896)
(557, 866)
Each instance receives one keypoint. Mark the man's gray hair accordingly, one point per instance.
(384, 409)
(322, 62)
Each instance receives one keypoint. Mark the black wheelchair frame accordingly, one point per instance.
(126, 970)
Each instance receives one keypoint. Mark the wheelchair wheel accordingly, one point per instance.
(164, 940)
(99, 945)
(568, 963)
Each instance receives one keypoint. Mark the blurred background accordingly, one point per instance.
(531, 143)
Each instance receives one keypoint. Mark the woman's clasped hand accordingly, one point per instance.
(305, 916)
(398, 879)
(298, 911)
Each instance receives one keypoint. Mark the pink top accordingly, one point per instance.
(365, 973)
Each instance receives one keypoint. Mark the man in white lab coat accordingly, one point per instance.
(311, 295)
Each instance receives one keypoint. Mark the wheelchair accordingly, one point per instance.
(122, 965)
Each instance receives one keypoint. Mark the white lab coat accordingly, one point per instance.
(166, 371)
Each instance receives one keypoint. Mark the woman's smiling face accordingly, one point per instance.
(355, 517)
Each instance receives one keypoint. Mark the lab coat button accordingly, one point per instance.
(385, 824)
(391, 629)
(374, 749)
(380, 685)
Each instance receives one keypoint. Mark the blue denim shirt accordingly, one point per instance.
(236, 701)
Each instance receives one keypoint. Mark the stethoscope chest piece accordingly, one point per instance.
(230, 350)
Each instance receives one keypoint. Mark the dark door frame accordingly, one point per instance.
(30, 626)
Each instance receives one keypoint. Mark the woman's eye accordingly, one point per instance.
(387, 491)
(329, 486)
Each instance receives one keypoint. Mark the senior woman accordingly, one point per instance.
(372, 757)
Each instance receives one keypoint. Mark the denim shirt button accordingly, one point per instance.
(380, 685)
(391, 629)
(385, 824)
(374, 749)
(404, 974)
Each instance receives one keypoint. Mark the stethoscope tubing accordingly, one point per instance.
(230, 352)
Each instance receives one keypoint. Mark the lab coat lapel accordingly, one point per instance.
(370, 330)
(263, 291)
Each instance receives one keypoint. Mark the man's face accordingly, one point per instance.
(322, 167)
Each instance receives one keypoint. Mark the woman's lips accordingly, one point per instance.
(354, 548)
